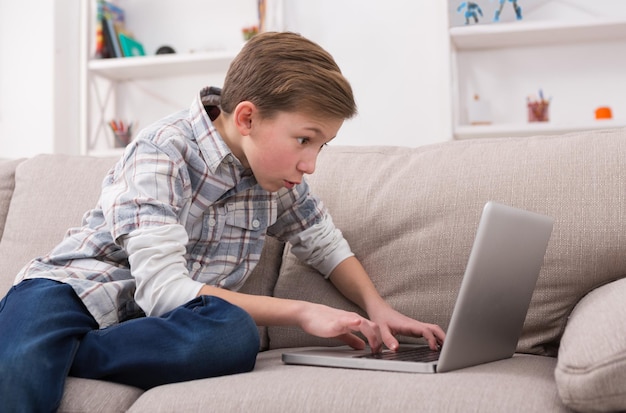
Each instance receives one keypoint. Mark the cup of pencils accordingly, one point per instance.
(122, 132)
(538, 108)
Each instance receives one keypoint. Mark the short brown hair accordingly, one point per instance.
(283, 71)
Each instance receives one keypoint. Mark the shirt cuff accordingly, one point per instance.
(321, 246)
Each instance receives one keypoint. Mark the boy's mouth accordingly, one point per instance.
(290, 184)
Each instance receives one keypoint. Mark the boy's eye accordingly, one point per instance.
(303, 141)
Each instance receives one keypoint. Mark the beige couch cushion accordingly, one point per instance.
(411, 216)
(522, 384)
(264, 276)
(95, 396)
(52, 192)
(7, 184)
(591, 369)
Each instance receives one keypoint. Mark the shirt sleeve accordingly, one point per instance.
(145, 189)
(321, 246)
(306, 224)
(157, 261)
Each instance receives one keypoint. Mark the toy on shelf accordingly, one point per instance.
(604, 112)
(472, 10)
(516, 7)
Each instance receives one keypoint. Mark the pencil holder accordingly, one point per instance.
(539, 111)
(122, 138)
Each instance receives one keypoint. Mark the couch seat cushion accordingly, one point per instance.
(94, 396)
(523, 383)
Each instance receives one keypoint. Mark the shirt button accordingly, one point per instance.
(196, 266)
(212, 222)
(256, 223)
(229, 159)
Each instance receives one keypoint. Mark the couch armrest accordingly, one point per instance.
(591, 367)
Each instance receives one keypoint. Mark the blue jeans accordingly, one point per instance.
(46, 334)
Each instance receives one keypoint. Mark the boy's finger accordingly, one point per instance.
(389, 339)
(353, 341)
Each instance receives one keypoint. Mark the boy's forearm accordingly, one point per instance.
(266, 311)
(351, 279)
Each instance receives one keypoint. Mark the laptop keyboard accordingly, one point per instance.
(417, 354)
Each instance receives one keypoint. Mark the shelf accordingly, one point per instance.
(530, 129)
(159, 66)
(523, 33)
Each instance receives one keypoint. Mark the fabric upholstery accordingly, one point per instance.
(591, 368)
(264, 276)
(411, 214)
(52, 192)
(7, 184)
(522, 384)
(95, 396)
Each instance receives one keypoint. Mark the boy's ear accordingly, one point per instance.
(243, 115)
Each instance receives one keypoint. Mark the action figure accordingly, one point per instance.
(518, 10)
(472, 10)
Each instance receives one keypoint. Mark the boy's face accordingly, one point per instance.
(281, 149)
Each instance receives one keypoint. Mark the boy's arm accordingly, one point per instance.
(316, 319)
(351, 279)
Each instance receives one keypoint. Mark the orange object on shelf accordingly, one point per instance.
(604, 112)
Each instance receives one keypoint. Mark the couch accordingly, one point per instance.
(410, 215)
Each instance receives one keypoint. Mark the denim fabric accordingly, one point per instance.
(206, 337)
(46, 333)
(41, 323)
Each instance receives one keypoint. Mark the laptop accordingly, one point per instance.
(491, 306)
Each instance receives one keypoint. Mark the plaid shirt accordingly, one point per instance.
(180, 172)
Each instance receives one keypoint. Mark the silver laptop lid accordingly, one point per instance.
(492, 302)
(497, 287)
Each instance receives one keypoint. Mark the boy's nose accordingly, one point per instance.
(307, 164)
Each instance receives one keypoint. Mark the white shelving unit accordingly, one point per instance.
(106, 83)
(581, 61)
(113, 73)
(150, 67)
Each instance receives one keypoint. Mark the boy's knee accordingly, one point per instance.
(227, 333)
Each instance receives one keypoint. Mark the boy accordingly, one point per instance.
(151, 277)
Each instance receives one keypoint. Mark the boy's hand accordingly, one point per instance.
(353, 281)
(391, 323)
(323, 321)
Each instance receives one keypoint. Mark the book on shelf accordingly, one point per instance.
(112, 37)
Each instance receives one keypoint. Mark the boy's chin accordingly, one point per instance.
(271, 186)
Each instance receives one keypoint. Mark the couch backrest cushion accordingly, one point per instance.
(7, 184)
(410, 215)
(52, 193)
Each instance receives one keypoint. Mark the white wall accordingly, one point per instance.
(395, 54)
(26, 83)
(38, 77)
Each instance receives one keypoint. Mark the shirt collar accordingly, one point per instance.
(213, 148)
